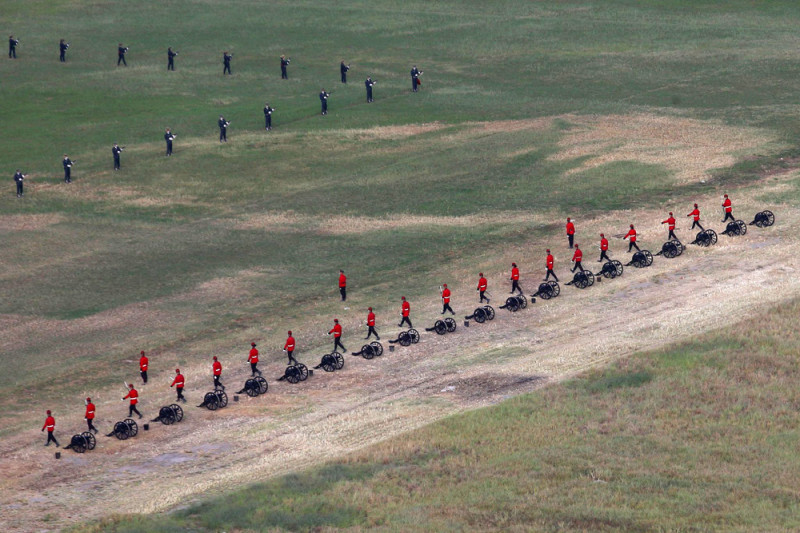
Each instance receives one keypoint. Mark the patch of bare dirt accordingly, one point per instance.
(14, 223)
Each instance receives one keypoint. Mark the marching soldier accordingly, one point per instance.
(50, 426)
(343, 285)
(62, 49)
(344, 68)
(144, 362)
(671, 225)
(631, 236)
(446, 300)
(570, 232)
(371, 325)
(178, 384)
(337, 335)
(415, 81)
(18, 177)
(284, 63)
(323, 98)
(726, 205)
(116, 150)
(226, 63)
(577, 257)
(369, 83)
(289, 348)
(12, 48)
(696, 214)
(121, 51)
(169, 137)
(89, 415)
(515, 279)
(67, 163)
(268, 117)
(133, 397)
(406, 313)
(482, 284)
(171, 59)
(549, 263)
(252, 358)
(216, 370)
(603, 249)
(223, 129)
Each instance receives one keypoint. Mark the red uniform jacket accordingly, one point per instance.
(143, 361)
(133, 394)
(217, 367)
(482, 284)
(727, 205)
(371, 319)
(695, 213)
(406, 308)
(550, 261)
(337, 330)
(671, 222)
(446, 296)
(49, 424)
(253, 357)
(604, 244)
(570, 228)
(631, 235)
(578, 255)
(515, 274)
(178, 381)
(342, 280)
(89, 411)
(289, 346)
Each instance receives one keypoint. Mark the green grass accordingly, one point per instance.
(700, 436)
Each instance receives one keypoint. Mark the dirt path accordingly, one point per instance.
(293, 427)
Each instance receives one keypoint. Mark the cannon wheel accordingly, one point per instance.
(122, 431)
(404, 339)
(523, 302)
(648, 258)
(166, 415)
(414, 335)
(480, 315)
(679, 247)
(222, 397)
(545, 291)
(303, 371)
(770, 219)
(556, 288)
(713, 235)
(450, 324)
(291, 374)
(211, 401)
(619, 267)
(328, 363)
(133, 428)
(439, 328)
(251, 388)
(78, 443)
(579, 280)
(378, 348)
(262, 385)
(512, 304)
(489, 312)
(91, 442)
(339, 360)
(589, 277)
(742, 227)
(669, 250)
(367, 351)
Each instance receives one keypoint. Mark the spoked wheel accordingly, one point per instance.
(414, 335)
(211, 401)
(251, 388)
(78, 443)
(609, 270)
(91, 442)
(291, 374)
(367, 351)
(648, 258)
(450, 324)
(668, 250)
(545, 291)
(589, 277)
(619, 267)
(523, 302)
(222, 398)
(512, 304)
(328, 363)
(404, 339)
(133, 429)
(122, 431)
(262, 385)
(742, 227)
(440, 328)
(580, 281)
(770, 219)
(378, 347)
(339, 360)
(713, 236)
(167, 416)
(556, 288)
(480, 315)
(489, 312)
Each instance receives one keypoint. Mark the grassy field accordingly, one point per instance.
(529, 112)
(697, 437)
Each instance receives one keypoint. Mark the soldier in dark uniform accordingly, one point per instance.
(415, 74)
(18, 177)
(284, 63)
(369, 83)
(116, 151)
(12, 47)
(169, 137)
(323, 98)
(268, 117)
(121, 51)
(226, 61)
(223, 129)
(344, 68)
(171, 59)
(67, 162)
(62, 48)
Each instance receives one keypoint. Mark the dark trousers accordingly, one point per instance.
(603, 255)
(369, 94)
(371, 331)
(169, 147)
(62, 57)
(728, 215)
(218, 383)
(179, 390)
(672, 235)
(344, 77)
(571, 239)
(337, 343)
(284, 75)
(170, 64)
(343, 292)
(324, 107)
(292, 360)
(19, 188)
(578, 266)
(226, 68)
(550, 273)
(67, 175)
(254, 369)
(116, 162)
(515, 286)
(483, 297)
(121, 59)
(446, 307)
(632, 245)
(132, 409)
(51, 438)
(267, 122)
(414, 84)
(696, 224)
(405, 320)
(144, 376)
(223, 134)
(12, 52)
(90, 425)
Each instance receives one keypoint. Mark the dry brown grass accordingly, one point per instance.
(29, 222)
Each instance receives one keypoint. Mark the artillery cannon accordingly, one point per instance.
(735, 228)
(547, 290)
(254, 386)
(482, 314)
(331, 362)
(763, 219)
(582, 279)
(610, 270)
(169, 414)
(125, 429)
(406, 338)
(641, 259)
(705, 238)
(448, 325)
(672, 248)
(371, 350)
(214, 400)
(82, 442)
(296, 373)
(516, 302)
